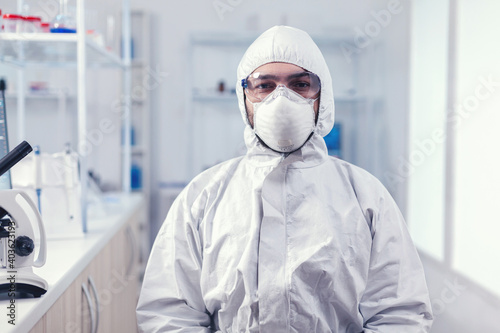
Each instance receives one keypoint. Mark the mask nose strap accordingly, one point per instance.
(280, 91)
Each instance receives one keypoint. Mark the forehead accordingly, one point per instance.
(278, 68)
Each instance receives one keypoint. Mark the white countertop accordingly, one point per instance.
(67, 258)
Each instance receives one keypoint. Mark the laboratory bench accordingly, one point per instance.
(93, 280)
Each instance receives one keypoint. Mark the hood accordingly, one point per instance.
(294, 46)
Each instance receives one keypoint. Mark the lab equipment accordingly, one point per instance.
(18, 244)
(14, 156)
(13, 23)
(221, 87)
(333, 141)
(45, 27)
(64, 22)
(32, 24)
(59, 184)
(5, 182)
(135, 177)
(132, 135)
(70, 181)
(38, 176)
(17, 237)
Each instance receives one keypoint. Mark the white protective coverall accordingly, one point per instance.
(268, 243)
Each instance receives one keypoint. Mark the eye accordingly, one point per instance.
(300, 85)
(264, 85)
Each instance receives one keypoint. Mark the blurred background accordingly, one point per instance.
(417, 86)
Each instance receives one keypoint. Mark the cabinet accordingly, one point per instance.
(75, 51)
(104, 296)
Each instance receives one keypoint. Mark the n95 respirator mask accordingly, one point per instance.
(284, 120)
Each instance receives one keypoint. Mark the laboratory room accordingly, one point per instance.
(249, 166)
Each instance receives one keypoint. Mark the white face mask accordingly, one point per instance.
(284, 120)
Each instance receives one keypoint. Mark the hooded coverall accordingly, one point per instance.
(269, 242)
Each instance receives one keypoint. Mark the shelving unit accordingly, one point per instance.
(45, 49)
(28, 50)
(59, 96)
(50, 95)
(140, 112)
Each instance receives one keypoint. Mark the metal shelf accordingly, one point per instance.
(73, 51)
(222, 97)
(38, 37)
(349, 98)
(136, 149)
(244, 40)
(52, 50)
(50, 95)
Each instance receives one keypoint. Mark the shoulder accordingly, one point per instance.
(189, 206)
(358, 178)
(372, 196)
(215, 174)
(209, 180)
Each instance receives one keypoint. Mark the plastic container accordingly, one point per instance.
(132, 136)
(13, 23)
(45, 27)
(135, 177)
(96, 36)
(32, 24)
(333, 141)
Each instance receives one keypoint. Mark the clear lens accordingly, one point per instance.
(259, 85)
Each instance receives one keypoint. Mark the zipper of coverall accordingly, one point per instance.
(285, 215)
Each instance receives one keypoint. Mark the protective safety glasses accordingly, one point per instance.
(259, 85)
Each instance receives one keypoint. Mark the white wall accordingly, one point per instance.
(429, 83)
(476, 247)
(454, 181)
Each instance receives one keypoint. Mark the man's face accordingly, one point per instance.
(279, 69)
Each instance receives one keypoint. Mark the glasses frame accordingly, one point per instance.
(244, 84)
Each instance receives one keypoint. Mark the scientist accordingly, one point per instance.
(285, 238)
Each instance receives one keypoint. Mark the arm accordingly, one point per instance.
(171, 299)
(396, 298)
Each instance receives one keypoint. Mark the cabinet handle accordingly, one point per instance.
(132, 255)
(91, 306)
(97, 309)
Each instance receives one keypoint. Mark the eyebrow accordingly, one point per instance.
(272, 76)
